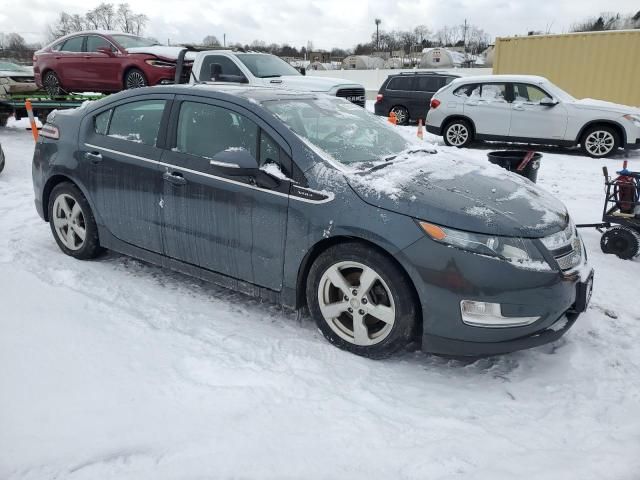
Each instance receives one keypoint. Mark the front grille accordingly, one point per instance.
(354, 95)
(569, 256)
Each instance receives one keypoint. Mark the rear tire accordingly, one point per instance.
(600, 141)
(621, 241)
(402, 114)
(51, 84)
(458, 133)
(135, 79)
(384, 305)
(72, 223)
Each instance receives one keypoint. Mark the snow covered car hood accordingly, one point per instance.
(450, 190)
(312, 83)
(170, 53)
(601, 105)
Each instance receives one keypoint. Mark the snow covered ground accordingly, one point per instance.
(115, 369)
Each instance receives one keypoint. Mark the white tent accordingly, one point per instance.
(362, 62)
(441, 58)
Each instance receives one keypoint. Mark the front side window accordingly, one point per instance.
(206, 130)
(95, 42)
(137, 122)
(400, 83)
(347, 132)
(73, 45)
(101, 122)
(266, 66)
(528, 93)
(229, 71)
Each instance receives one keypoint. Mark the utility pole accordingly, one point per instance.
(224, 39)
(378, 22)
(464, 38)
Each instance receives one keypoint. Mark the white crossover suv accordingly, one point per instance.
(529, 109)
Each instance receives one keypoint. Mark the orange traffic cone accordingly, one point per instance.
(392, 118)
(420, 132)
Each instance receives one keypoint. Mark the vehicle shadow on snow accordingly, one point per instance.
(574, 151)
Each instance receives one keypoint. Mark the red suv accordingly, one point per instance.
(104, 62)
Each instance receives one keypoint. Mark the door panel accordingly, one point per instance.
(102, 71)
(212, 218)
(126, 179)
(70, 63)
(529, 119)
(489, 109)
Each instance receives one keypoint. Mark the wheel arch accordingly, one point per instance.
(55, 180)
(317, 249)
(451, 118)
(609, 123)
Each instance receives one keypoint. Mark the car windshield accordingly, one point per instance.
(345, 131)
(11, 67)
(131, 41)
(265, 66)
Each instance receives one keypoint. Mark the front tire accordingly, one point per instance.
(135, 79)
(622, 242)
(361, 300)
(458, 133)
(600, 141)
(72, 223)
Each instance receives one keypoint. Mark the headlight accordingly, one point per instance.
(519, 251)
(633, 118)
(159, 63)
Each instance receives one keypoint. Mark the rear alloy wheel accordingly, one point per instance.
(457, 134)
(51, 84)
(402, 114)
(135, 79)
(361, 301)
(600, 141)
(622, 242)
(72, 223)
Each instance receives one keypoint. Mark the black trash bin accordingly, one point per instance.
(511, 159)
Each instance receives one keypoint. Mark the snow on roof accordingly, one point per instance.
(504, 78)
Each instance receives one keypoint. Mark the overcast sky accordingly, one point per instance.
(326, 23)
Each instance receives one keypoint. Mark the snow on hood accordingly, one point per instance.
(313, 83)
(594, 104)
(459, 192)
(170, 53)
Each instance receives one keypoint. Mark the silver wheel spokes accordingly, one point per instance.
(599, 142)
(68, 221)
(135, 80)
(356, 303)
(401, 115)
(457, 134)
(52, 85)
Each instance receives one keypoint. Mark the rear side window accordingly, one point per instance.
(493, 92)
(400, 83)
(101, 122)
(94, 42)
(73, 45)
(229, 70)
(429, 84)
(467, 90)
(205, 130)
(137, 122)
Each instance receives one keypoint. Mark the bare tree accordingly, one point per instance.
(15, 42)
(211, 41)
(421, 32)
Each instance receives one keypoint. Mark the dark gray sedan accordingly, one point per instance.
(308, 200)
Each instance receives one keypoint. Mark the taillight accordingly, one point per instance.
(379, 97)
(50, 131)
(435, 103)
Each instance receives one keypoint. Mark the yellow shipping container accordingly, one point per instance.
(601, 65)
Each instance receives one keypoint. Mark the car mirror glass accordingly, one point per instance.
(235, 157)
(548, 102)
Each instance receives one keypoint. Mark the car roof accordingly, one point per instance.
(500, 78)
(108, 33)
(425, 72)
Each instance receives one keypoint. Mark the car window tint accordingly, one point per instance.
(101, 122)
(73, 45)
(528, 93)
(229, 70)
(137, 121)
(429, 84)
(493, 92)
(94, 42)
(205, 130)
(467, 90)
(400, 83)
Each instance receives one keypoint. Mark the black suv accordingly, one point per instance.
(408, 94)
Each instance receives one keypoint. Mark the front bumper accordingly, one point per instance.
(444, 276)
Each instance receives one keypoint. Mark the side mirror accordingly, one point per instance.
(235, 162)
(548, 102)
(106, 50)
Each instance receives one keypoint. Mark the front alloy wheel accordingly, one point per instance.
(600, 142)
(135, 79)
(457, 134)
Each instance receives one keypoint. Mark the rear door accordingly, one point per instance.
(101, 69)
(529, 119)
(227, 223)
(488, 106)
(121, 143)
(425, 87)
(400, 92)
(70, 64)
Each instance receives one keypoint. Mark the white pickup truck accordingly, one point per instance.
(263, 69)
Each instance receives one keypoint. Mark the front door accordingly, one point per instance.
(529, 119)
(214, 218)
(489, 109)
(102, 70)
(119, 146)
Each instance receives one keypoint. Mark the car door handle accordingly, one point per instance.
(93, 157)
(87, 56)
(175, 178)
